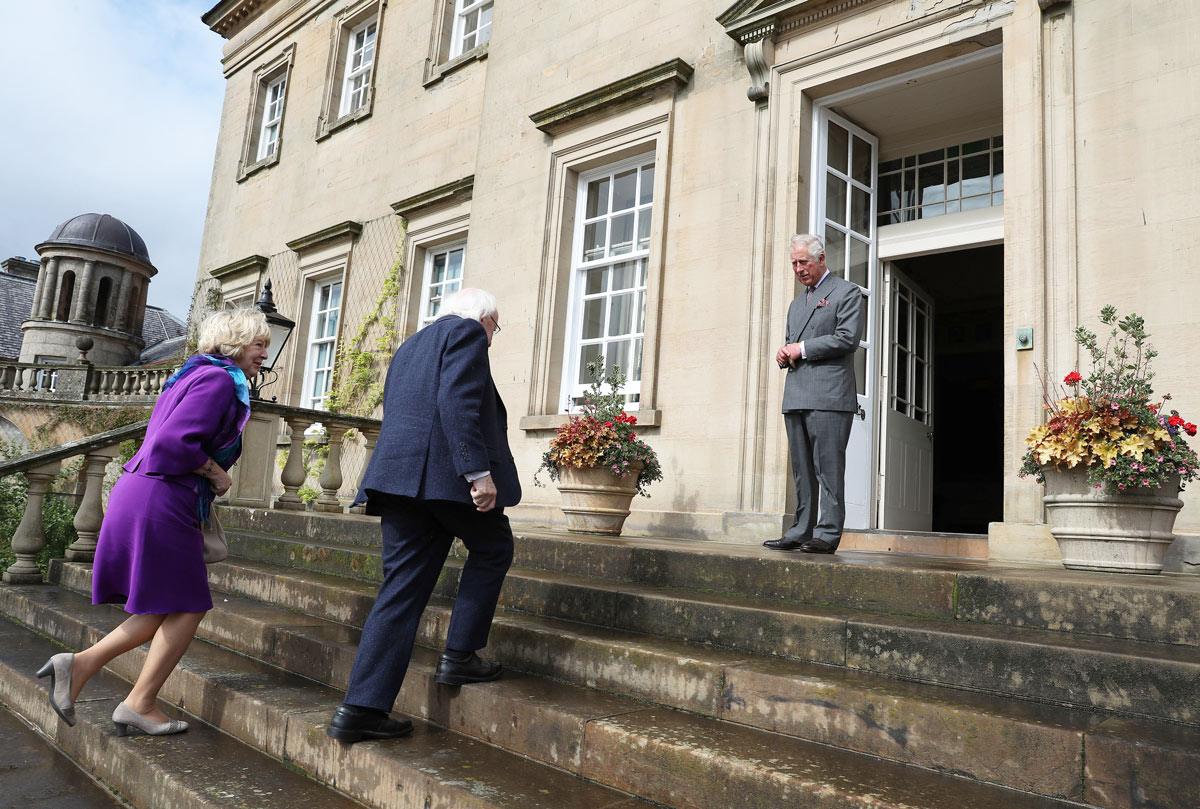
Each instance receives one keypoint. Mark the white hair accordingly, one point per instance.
(229, 332)
(470, 303)
(813, 245)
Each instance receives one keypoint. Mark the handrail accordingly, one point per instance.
(323, 416)
(70, 449)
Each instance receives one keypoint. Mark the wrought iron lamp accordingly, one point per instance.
(281, 329)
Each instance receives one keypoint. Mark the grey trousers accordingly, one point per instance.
(817, 445)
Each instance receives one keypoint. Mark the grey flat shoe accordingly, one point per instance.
(58, 669)
(125, 717)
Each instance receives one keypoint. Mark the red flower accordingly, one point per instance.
(633, 436)
(1175, 421)
(1073, 378)
(608, 424)
(1189, 428)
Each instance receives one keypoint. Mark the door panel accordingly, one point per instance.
(843, 213)
(908, 419)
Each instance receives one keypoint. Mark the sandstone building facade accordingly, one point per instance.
(624, 176)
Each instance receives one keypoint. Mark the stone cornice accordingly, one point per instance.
(228, 17)
(448, 194)
(1050, 5)
(751, 20)
(256, 263)
(349, 228)
(675, 72)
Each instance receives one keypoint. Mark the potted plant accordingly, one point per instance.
(1113, 459)
(597, 459)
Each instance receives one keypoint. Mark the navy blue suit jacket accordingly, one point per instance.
(442, 418)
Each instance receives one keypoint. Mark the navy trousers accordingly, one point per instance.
(416, 540)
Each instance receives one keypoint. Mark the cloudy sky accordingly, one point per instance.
(110, 106)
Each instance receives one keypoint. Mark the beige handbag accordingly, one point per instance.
(216, 548)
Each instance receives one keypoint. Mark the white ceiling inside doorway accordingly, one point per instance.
(928, 111)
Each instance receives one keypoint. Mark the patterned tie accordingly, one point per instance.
(808, 300)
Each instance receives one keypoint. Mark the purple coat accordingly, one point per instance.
(150, 553)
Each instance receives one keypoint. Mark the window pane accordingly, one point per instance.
(646, 195)
(859, 251)
(860, 211)
(890, 165)
(919, 346)
(624, 275)
(860, 167)
(471, 22)
(643, 229)
(439, 268)
(587, 354)
(971, 203)
(902, 322)
(635, 372)
(900, 374)
(624, 190)
(975, 146)
(622, 234)
(889, 193)
(838, 148)
(936, 156)
(620, 320)
(331, 324)
(323, 297)
(919, 384)
(593, 240)
(641, 310)
(860, 371)
(932, 183)
(835, 251)
(593, 318)
(454, 270)
(595, 281)
(997, 171)
(976, 175)
(617, 355)
(835, 198)
(597, 198)
(953, 188)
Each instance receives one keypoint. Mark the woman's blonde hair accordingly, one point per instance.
(230, 331)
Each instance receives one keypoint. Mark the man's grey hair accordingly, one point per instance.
(473, 304)
(813, 245)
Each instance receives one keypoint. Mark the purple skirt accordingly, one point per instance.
(150, 553)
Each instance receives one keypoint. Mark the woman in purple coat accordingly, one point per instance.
(150, 552)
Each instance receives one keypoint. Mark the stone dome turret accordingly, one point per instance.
(100, 231)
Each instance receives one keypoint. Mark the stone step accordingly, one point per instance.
(681, 760)
(1028, 746)
(1159, 609)
(199, 769)
(1137, 678)
(284, 715)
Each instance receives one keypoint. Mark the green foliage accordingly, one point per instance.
(358, 369)
(308, 494)
(90, 420)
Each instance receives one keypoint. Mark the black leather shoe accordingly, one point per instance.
(352, 724)
(784, 544)
(470, 669)
(817, 546)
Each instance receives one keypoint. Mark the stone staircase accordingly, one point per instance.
(647, 672)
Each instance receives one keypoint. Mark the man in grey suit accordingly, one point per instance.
(824, 325)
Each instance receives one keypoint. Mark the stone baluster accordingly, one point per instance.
(30, 537)
(91, 511)
(293, 473)
(370, 437)
(130, 382)
(6, 377)
(331, 475)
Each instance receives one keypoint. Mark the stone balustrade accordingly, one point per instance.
(81, 382)
(257, 464)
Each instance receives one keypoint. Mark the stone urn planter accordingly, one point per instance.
(595, 501)
(1116, 533)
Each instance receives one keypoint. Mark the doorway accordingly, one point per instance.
(943, 426)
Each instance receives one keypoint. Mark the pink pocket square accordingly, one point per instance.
(822, 302)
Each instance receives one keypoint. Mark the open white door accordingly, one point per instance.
(843, 212)
(908, 421)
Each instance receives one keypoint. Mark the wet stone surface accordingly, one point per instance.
(34, 775)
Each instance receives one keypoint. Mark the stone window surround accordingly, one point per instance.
(344, 23)
(323, 256)
(315, 284)
(446, 230)
(439, 64)
(240, 279)
(642, 132)
(462, 8)
(264, 76)
(431, 252)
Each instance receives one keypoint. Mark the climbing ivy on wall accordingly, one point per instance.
(360, 362)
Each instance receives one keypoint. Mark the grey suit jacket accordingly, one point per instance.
(825, 380)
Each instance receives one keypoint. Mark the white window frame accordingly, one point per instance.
(272, 117)
(369, 31)
(572, 389)
(482, 32)
(428, 284)
(315, 342)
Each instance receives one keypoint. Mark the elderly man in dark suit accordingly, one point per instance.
(441, 469)
(824, 325)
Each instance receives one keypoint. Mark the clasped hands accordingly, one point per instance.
(788, 355)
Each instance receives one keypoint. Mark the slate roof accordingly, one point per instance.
(16, 302)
